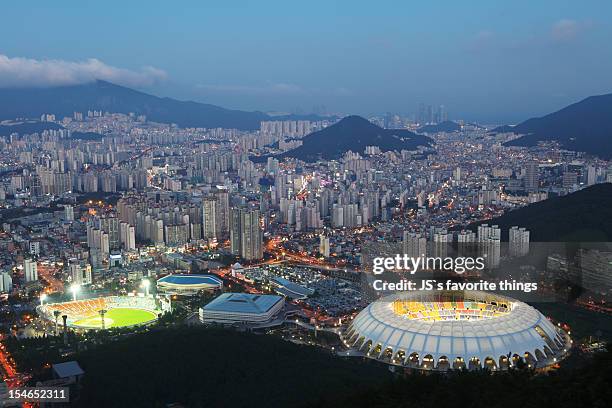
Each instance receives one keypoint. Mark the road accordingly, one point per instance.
(13, 377)
(312, 261)
(46, 274)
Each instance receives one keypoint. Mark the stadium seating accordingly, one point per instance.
(81, 309)
(448, 310)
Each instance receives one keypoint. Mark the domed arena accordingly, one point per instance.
(443, 330)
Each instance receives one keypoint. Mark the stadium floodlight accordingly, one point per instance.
(74, 288)
(43, 297)
(146, 284)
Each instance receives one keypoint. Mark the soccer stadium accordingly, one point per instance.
(455, 330)
(104, 312)
(186, 284)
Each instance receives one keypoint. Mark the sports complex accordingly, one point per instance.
(455, 330)
(103, 312)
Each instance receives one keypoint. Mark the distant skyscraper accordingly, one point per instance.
(110, 225)
(34, 248)
(570, 180)
(30, 269)
(591, 175)
(489, 238)
(421, 117)
(457, 174)
(209, 217)
(518, 241)
(414, 244)
(127, 235)
(532, 177)
(442, 114)
(222, 211)
(429, 114)
(246, 236)
(485, 232)
(68, 213)
(324, 245)
(6, 282)
(466, 236)
(80, 273)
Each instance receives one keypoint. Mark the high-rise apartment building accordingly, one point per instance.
(30, 270)
(532, 177)
(209, 217)
(246, 236)
(68, 213)
(6, 282)
(222, 211)
(414, 244)
(518, 241)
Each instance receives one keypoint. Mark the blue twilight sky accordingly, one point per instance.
(492, 61)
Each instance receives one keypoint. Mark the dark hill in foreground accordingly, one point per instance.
(588, 386)
(201, 367)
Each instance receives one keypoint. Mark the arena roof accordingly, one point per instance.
(68, 369)
(243, 303)
(292, 290)
(189, 279)
(449, 325)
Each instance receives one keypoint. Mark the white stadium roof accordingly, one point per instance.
(381, 332)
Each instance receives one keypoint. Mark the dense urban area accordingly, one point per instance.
(115, 226)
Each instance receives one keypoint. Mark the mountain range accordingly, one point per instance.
(354, 133)
(585, 126)
(101, 95)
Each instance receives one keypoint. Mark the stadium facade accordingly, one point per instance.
(455, 330)
(242, 308)
(188, 284)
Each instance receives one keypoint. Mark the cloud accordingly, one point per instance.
(16, 72)
(566, 29)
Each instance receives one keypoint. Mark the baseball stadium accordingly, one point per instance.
(186, 284)
(103, 312)
(455, 330)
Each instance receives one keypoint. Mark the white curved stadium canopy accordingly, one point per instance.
(380, 330)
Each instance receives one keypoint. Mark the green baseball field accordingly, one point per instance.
(120, 317)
